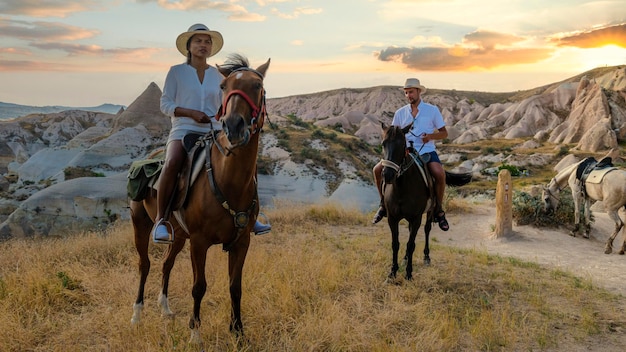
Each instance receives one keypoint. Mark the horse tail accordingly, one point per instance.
(454, 179)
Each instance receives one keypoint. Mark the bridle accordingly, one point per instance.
(399, 168)
(259, 110)
(549, 192)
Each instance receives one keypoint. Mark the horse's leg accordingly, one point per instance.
(623, 250)
(198, 262)
(619, 224)
(168, 264)
(395, 246)
(576, 198)
(587, 223)
(236, 259)
(414, 226)
(142, 224)
(427, 227)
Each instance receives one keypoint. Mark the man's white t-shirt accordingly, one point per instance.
(428, 120)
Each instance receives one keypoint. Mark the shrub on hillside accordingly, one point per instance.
(529, 210)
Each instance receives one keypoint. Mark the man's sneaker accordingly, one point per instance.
(380, 214)
(160, 233)
(260, 228)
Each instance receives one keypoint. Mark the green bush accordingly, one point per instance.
(529, 210)
(512, 169)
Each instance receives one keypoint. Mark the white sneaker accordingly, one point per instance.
(160, 233)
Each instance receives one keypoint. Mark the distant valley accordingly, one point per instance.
(9, 111)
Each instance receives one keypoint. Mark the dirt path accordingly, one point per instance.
(583, 257)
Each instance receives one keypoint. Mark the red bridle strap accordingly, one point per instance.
(255, 109)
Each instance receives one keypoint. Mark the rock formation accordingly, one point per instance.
(40, 153)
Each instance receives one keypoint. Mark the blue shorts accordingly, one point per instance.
(433, 157)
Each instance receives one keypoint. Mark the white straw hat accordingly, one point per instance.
(199, 28)
(414, 83)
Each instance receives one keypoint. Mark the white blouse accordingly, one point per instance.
(183, 89)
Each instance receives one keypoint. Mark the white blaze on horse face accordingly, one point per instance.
(238, 75)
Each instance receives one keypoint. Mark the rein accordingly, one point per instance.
(558, 189)
(403, 167)
(240, 218)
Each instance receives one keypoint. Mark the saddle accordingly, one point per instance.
(144, 174)
(592, 171)
(420, 162)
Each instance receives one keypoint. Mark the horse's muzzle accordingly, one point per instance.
(236, 130)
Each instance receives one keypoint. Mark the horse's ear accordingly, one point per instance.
(221, 70)
(263, 68)
(406, 129)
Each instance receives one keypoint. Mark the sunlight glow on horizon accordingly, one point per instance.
(70, 54)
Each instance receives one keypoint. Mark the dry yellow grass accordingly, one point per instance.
(317, 283)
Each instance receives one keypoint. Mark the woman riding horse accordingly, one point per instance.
(222, 203)
(192, 98)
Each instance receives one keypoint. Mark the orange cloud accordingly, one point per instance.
(93, 50)
(23, 65)
(15, 51)
(479, 50)
(488, 40)
(237, 12)
(596, 38)
(42, 30)
(45, 8)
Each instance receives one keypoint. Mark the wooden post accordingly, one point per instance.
(504, 204)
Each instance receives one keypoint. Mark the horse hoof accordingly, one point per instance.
(408, 277)
(608, 251)
(427, 261)
(621, 252)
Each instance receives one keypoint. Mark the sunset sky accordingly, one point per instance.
(84, 53)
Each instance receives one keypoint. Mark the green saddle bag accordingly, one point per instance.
(140, 174)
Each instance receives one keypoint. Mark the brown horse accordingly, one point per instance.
(406, 196)
(222, 206)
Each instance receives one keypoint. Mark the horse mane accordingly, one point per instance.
(235, 62)
(562, 177)
(395, 132)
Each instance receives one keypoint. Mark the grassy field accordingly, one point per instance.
(317, 283)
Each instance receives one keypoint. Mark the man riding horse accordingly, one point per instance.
(428, 126)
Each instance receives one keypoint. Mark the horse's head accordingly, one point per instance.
(394, 150)
(243, 109)
(550, 196)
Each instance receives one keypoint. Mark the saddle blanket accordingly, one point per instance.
(596, 176)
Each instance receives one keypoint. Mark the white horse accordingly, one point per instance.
(611, 190)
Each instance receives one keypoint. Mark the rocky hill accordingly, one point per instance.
(69, 168)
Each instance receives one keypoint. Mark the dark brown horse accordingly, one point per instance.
(406, 196)
(222, 204)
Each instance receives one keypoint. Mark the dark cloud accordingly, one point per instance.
(479, 50)
(596, 38)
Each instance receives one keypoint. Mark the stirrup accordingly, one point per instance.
(441, 220)
(263, 228)
(170, 232)
(380, 214)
